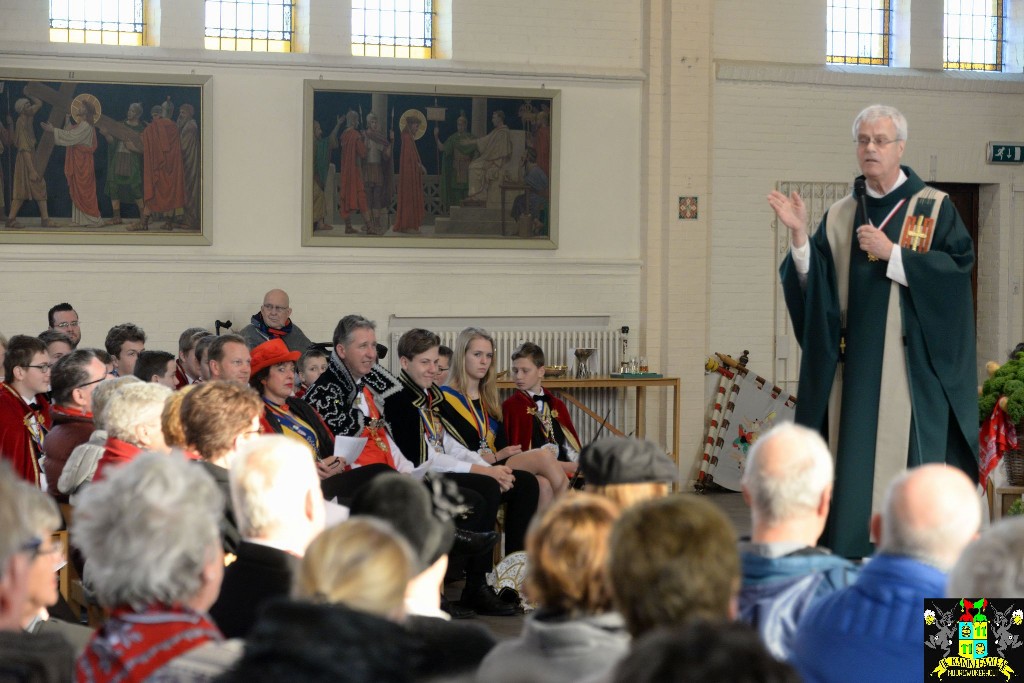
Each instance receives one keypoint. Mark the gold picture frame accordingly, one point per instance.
(480, 172)
(75, 162)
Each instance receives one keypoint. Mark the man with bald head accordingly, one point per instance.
(787, 482)
(273, 321)
(873, 629)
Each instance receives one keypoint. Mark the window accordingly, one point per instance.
(392, 28)
(859, 32)
(101, 22)
(973, 35)
(249, 25)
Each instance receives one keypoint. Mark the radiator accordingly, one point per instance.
(557, 346)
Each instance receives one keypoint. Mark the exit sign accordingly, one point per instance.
(1005, 153)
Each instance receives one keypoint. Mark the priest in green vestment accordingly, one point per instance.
(882, 307)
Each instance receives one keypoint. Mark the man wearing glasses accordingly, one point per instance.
(73, 379)
(273, 321)
(64, 319)
(882, 304)
(24, 412)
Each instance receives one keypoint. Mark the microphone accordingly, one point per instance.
(860, 191)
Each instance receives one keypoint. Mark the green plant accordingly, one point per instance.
(1016, 508)
(1007, 381)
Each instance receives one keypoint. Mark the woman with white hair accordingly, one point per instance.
(81, 465)
(133, 419)
(153, 553)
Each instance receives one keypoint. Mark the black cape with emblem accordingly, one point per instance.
(334, 393)
(939, 337)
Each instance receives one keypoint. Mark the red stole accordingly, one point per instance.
(377, 450)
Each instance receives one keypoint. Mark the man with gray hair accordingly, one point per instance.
(350, 395)
(279, 509)
(931, 514)
(882, 305)
(787, 483)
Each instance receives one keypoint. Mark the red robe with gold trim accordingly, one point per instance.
(519, 423)
(17, 445)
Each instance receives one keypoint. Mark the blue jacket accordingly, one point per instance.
(872, 630)
(777, 591)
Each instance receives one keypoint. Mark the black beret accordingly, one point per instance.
(619, 460)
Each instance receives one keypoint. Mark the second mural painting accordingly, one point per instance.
(430, 166)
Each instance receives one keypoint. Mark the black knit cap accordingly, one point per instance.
(406, 504)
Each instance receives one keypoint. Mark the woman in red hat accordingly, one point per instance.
(273, 376)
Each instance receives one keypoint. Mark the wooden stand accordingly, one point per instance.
(1003, 499)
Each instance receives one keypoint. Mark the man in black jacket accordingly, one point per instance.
(279, 509)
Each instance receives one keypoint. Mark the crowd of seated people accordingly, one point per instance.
(246, 510)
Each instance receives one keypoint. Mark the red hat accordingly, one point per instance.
(271, 353)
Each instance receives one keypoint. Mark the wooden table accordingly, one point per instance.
(562, 384)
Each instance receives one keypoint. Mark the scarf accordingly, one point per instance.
(131, 646)
(271, 332)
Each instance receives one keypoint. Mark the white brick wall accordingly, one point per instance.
(722, 113)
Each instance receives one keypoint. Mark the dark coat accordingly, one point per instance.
(259, 574)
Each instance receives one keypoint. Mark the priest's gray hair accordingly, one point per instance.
(881, 111)
(132, 405)
(993, 564)
(348, 325)
(787, 470)
(147, 531)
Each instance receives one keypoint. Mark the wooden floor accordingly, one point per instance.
(729, 502)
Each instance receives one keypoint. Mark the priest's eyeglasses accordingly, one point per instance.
(864, 141)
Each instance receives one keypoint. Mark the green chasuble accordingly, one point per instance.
(938, 339)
